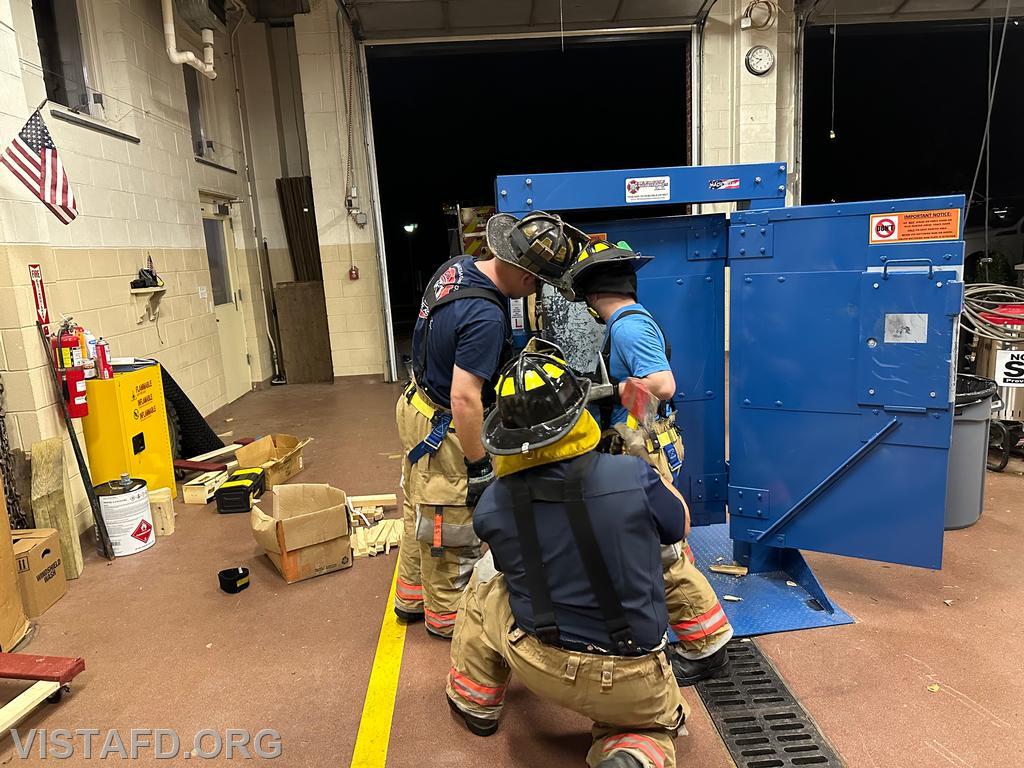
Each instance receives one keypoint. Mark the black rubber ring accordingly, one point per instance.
(234, 580)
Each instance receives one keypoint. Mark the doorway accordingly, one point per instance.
(227, 299)
(449, 117)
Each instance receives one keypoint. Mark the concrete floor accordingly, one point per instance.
(165, 648)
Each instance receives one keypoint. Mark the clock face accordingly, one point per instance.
(760, 60)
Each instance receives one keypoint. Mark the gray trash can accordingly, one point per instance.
(968, 452)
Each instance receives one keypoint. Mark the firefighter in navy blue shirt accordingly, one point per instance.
(605, 277)
(577, 611)
(461, 339)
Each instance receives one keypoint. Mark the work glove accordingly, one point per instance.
(479, 474)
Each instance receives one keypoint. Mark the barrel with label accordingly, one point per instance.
(124, 505)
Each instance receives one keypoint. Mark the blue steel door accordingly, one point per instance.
(843, 325)
(683, 287)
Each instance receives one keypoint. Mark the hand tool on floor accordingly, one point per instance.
(101, 527)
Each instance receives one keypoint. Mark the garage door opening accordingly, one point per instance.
(448, 118)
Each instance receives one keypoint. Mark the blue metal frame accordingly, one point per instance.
(856, 422)
(761, 183)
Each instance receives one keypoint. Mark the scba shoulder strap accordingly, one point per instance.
(525, 491)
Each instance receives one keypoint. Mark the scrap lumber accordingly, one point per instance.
(730, 570)
(200, 490)
(207, 462)
(161, 504)
(378, 500)
(377, 539)
(52, 503)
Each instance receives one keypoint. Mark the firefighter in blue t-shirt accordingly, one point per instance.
(461, 339)
(604, 276)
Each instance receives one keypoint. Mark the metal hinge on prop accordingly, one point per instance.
(750, 502)
(751, 241)
(709, 487)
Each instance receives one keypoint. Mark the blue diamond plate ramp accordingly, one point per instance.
(769, 602)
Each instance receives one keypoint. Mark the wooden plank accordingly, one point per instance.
(200, 489)
(29, 666)
(305, 340)
(729, 570)
(52, 503)
(378, 500)
(19, 708)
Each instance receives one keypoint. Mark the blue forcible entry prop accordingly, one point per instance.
(841, 325)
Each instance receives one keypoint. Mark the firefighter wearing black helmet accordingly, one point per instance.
(461, 339)
(577, 611)
(605, 277)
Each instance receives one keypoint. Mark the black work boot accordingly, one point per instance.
(620, 760)
(691, 671)
(477, 725)
(408, 617)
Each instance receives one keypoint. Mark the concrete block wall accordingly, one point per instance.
(354, 307)
(135, 199)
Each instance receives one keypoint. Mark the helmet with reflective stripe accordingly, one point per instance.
(540, 243)
(539, 400)
(603, 267)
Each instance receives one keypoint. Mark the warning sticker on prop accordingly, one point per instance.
(648, 189)
(914, 226)
(1010, 368)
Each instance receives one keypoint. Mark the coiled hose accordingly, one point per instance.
(981, 299)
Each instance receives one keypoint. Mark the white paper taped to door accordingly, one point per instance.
(906, 328)
(1010, 368)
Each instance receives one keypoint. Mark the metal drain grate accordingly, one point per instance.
(761, 723)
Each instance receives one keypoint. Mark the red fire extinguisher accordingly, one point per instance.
(67, 346)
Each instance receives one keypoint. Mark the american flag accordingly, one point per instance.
(32, 157)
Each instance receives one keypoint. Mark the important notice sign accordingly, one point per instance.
(914, 226)
(1010, 368)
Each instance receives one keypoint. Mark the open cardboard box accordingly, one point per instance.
(280, 455)
(307, 533)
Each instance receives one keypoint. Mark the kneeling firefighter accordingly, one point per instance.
(635, 346)
(461, 339)
(577, 611)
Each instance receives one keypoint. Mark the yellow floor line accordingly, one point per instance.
(371, 749)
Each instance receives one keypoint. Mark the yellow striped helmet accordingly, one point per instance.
(539, 400)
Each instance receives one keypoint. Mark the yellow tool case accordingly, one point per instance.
(126, 429)
(242, 486)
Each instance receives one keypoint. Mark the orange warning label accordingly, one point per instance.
(915, 226)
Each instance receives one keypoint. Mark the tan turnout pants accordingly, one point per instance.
(694, 612)
(633, 701)
(438, 548)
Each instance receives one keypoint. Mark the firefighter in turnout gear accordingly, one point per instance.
(461, 339)
(635, 346)
(573, 602)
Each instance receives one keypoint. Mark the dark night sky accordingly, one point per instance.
(910, 112)
(446, 125)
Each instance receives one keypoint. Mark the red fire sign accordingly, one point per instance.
(35, 273)
(142, 531)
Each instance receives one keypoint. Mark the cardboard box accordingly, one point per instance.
(13, 621)
(40, 570)
(279, 455)
(307, 534)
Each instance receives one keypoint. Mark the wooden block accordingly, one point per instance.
(200, 489)
(22, 476)
(52, 503)
(161, 504)
(379, 500)
(729, 570)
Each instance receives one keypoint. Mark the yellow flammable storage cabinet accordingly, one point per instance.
(126, 429)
